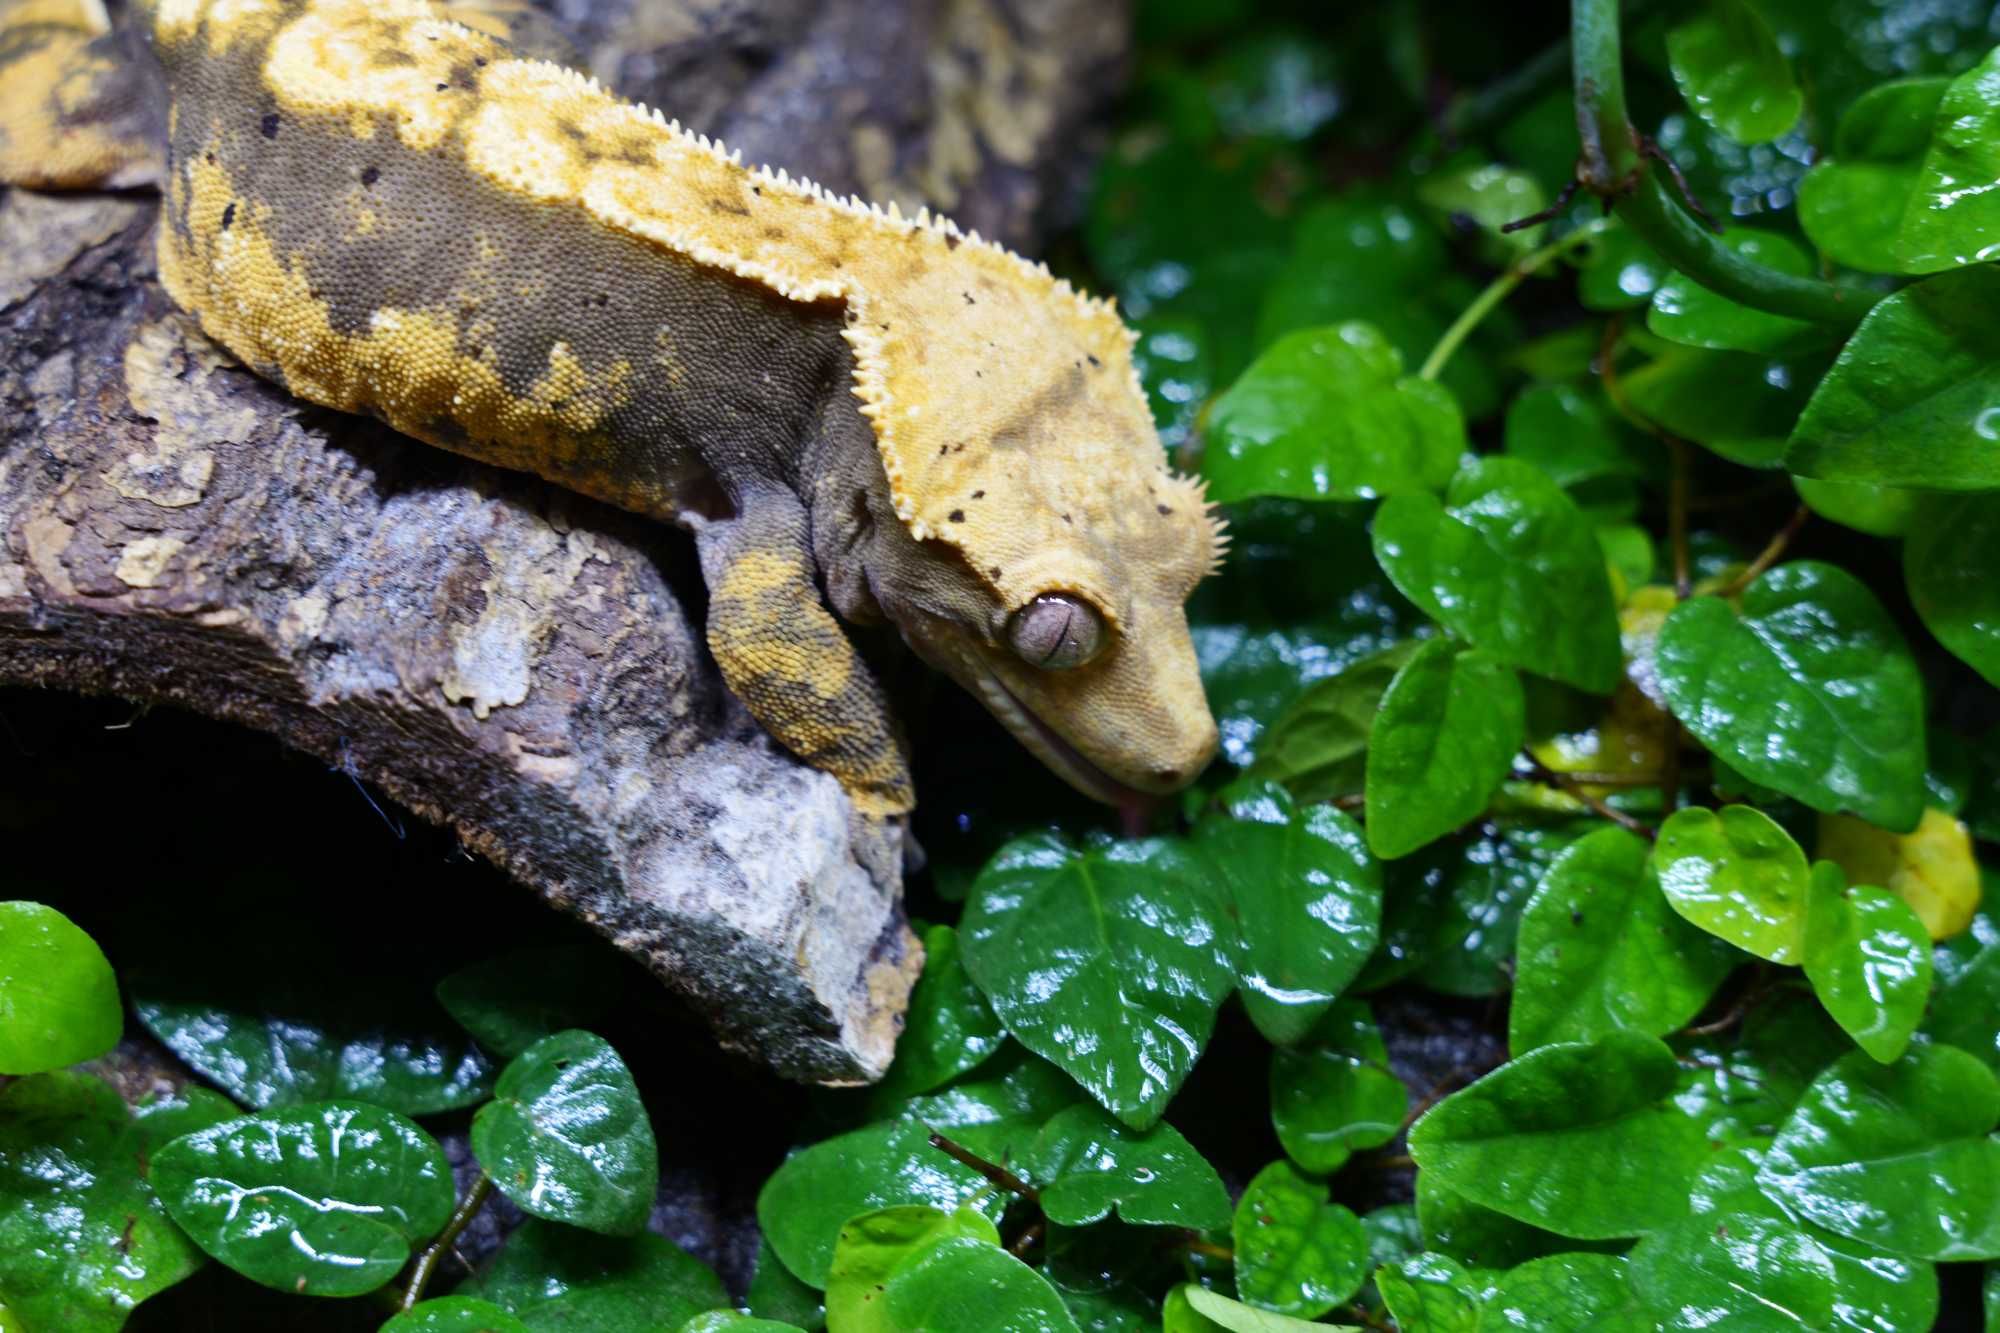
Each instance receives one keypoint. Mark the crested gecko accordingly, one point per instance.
(389, 211)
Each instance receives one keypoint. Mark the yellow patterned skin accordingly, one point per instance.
(391, 212)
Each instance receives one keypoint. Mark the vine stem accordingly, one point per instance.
(1500, 289)
(434, 1253)
(1568, 785)
(1613, 167)
(1770, 555)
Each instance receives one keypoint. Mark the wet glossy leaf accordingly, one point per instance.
(1811, 690)
(1433, 1293)
(920, 1268)
(1728, 64)
(1328, 414)
(1869, 959)
(58, 1000)
(514, 1000)
(1109, 960)
(1963, 1010)
(1473, 1234)
(1738, 875)
(567, 1138)
(1318, 746)
(1089, 1166)
(1949, 562)
(1279, 85)
(949, 1027)
(1931, 869)
(558, 1279)
(1621, 272)
(1852, 205)
(1304, 900)
(454, 1314)
(803, 1204)
(1449, 728)
(1686, 312)
(777, 1295)
(83, 1238)
(1333, 1094)
(734, 1321)
(1193, 1309)
(1953, 218)
(1909, 402)
(1734, 404)
(1601, 951)
(1489, 196)
(1740, 1088)
(1577, 1138)
(1566, 1293)
(324, 1199)
(1879, 511)
(1175, 366)
(1296, 1253)
(1568, 435)
(1900, 1156)
(1508, 563)
(271, 1039)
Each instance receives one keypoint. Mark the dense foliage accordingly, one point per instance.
(1605, 666)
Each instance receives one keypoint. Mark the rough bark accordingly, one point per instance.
(499, 656)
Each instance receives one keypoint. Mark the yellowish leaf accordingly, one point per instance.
(1931, 869)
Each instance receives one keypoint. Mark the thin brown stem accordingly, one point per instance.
(1196, 1245)
(1569, 786)
(434, 1253)
(1773, 551)
(1028, 1237)
(993, 1171)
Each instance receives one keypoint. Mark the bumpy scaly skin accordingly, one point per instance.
(390, 212)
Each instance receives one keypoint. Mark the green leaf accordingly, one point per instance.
(1811, 691)
(1304, 901)
(1275, 84)
(804, 1203)
(1567, 434)
(1333, 1093)
(1193, 1309)
(1177, 370)
(1575, 1138)
(1686, 312)
(325, 1199)
(567, 1138)
(1869, 959)
(1327, 414)
(1899, 1156)
(1948, 562)
(513, 1001)
(949, 1027)
(1879, 511)
(1736, 405)
(1601, 951)
(1451, 1224)
(916, 1268)
(1952, 218)
(83, 1239)
(1450, 726)
(1732, 72)
(454, 1314)
(58, 1000)
(558, 1279)
(1968, 989)
(1738, 875)
(1620, 272)
(1088, 1166)
(735, 1321)
(1318, 746)
(1566, 1293)
(1489, 196)
(1433, 1293)
(777, 1295)
(1108, 960)
(269, 1038)
(1508, 563)
(1740, 1089)
(1909, 402)
(1852, 204)
(1296, 1253)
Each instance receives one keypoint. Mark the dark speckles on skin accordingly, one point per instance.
(1069, 520)
(957, 516)
(968, 298)
(228, 214)
(1095, 364)
(979, 495)
(369, 175)
(950, 241)
(269, 125)
(1165, 510)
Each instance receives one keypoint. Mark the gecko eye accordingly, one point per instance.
(1056, 632)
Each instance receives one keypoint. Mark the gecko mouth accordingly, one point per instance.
(1053, 750)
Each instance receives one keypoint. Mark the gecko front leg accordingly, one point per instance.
(786, 657)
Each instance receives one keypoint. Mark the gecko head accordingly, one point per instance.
(1082, 648)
